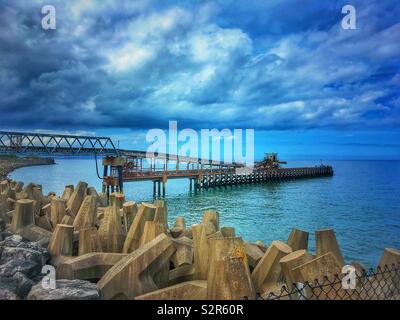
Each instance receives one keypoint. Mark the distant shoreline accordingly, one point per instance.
(10, 163)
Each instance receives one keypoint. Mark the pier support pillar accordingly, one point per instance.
(159, 188)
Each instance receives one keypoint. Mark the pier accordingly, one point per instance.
(122, 166)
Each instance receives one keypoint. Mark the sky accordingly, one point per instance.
(287, 69)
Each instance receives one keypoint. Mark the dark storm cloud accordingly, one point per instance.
(138, 64)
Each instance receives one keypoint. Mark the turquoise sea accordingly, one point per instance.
(361, 202)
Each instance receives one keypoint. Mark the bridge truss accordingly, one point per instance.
(42, 143)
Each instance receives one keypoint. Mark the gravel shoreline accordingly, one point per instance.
(9, 164)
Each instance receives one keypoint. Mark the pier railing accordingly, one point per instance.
(380, 284)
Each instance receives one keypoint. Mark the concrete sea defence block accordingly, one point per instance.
(68, 191)
(111, 233)
(298, 240)
(57, 210)
(161, 214)
(23, 216)
(254, 254)
(291, 261)
(87, 214)
(201, 248)
(89, 241)
(150, 231)
(228, 232)
(23, 222)
(325, 241)
(390, 260)
(68, 220)
(102, 199)
(91, 266)
(229, 275)
(46, 210)
(61, 242)
(179, 227)
(129, 210)
(263, 247)
(4, 186)
(184, 252)
(211, 216)
(268, 271)
(190, 290)
(134, 275)
(146, 212)
(91, 191)
(44, 222)
(117, 199)
(181, 274)
(390, 256)
(316, 269)
(75, 201)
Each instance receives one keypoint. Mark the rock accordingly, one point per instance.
(8, 289)
(2, 225)
(19, 256)
(66, 290)
(20, 262)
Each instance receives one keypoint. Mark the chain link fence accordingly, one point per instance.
(380, 284)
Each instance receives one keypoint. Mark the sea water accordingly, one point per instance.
(361, 202)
